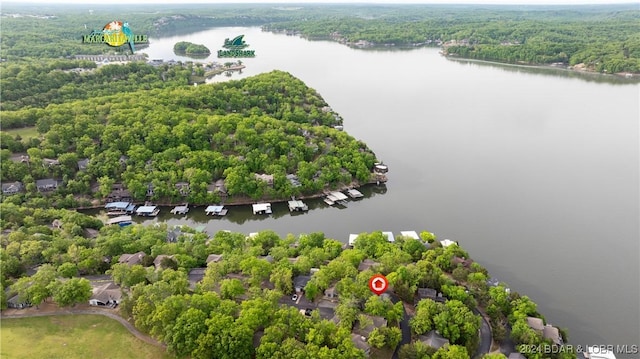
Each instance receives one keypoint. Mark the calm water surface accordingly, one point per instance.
(534, 172)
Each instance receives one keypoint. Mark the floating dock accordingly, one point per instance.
(119, 208)
(180, 209)
(297, 206)
(120, 220)
(215, 211)
(262, 208)
(354, 193)
(337, 197)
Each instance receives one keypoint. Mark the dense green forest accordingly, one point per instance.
(602, 38)
(189, 48)
(245, 293)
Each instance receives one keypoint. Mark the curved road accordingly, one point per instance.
(130, 328)
(485, 336)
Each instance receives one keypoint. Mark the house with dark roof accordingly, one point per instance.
(424, 293)
(132, 259)
(360, 342)
(83, 164)
(367, 264)
(157, 262)
(367, 328)
(433, 339)
(331, 292)
(195, 276)
(299, 282)
(46, 185)
(107, 295)
(12, 188)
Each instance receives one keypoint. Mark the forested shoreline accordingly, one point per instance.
(597, 38)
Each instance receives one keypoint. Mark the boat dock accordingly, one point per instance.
(120, 220)
(180, 209)
(297, 206)
(119, 208)
(215, 211)
(337, 197)
(354, 193)
(148, 211)
(262, 208)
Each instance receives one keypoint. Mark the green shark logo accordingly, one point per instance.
(236, 44)
(234, 48)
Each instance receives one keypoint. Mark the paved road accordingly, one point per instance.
(485, 336)
(72, 311)
(404, 326)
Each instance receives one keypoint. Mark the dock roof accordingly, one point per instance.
(337, 196)
(257, 207)
(119, 219)
(352, 238)
(390, 236)
(146, 209)
(118, 205)
(214, 208)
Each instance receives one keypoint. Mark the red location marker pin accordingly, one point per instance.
(378, 284)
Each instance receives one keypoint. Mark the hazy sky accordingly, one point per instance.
(519, 2)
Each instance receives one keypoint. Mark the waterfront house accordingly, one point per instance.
(536, 324)
(12, 188)
(123, 160)
(552, 333)
(132, 259)
(105, 295)
(433, 339)
(299, 282)
(150, 191)
(118, 194)
(46, 185)
(293, 179)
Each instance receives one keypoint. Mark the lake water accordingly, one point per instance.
(535, 172)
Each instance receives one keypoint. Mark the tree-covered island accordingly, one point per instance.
(190, 49)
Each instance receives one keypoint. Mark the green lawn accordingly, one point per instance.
(24, 132)
(71, 336)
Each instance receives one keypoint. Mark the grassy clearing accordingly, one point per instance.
(24, 132)
(71, 336)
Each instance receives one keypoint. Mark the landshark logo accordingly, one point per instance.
(115, 33)
(235, 48)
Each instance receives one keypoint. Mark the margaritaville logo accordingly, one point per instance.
(115, 33)
(235, 48)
